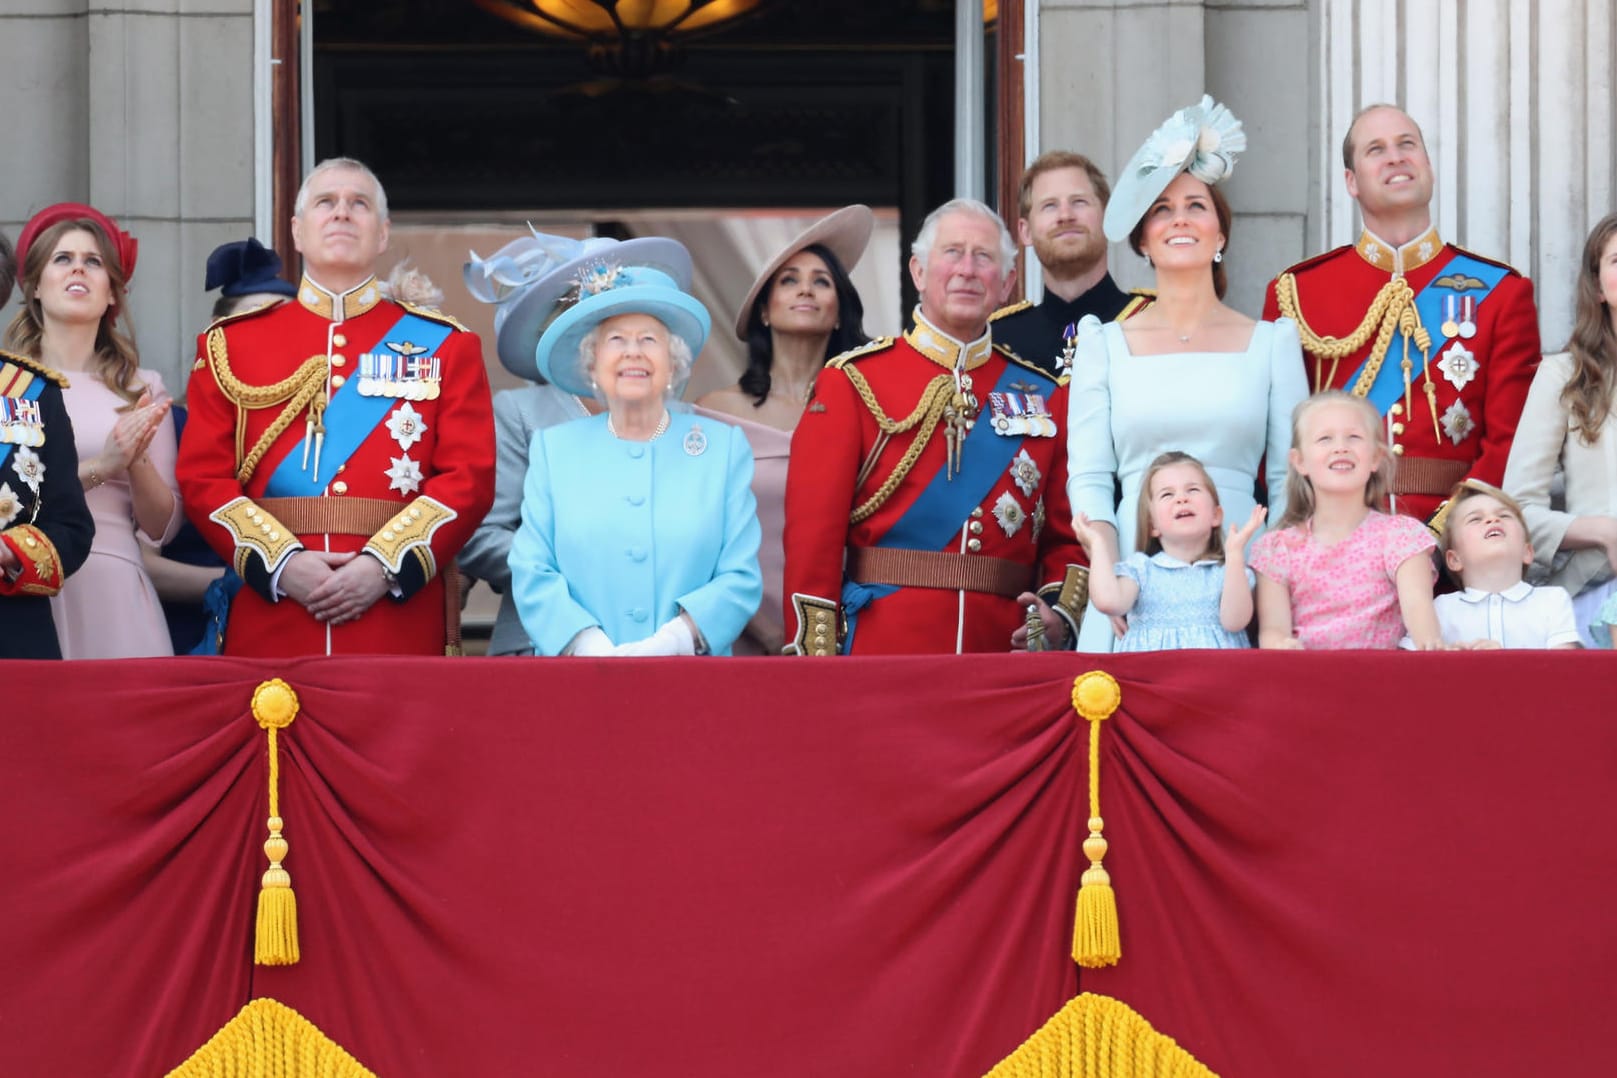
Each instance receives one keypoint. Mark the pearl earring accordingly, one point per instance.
(1218, 256)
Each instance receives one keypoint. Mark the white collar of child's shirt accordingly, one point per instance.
(1168, 561)
(1513, 594)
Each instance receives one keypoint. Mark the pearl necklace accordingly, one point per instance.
(662, 428)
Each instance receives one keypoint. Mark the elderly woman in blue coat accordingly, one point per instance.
(639, 531)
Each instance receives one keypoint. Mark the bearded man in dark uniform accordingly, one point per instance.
(1063, 198)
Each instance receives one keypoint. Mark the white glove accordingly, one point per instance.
(590, 643)
(674, 638)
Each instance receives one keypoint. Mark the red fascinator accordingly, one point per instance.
(73, 211)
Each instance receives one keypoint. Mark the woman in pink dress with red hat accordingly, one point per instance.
(75, 266)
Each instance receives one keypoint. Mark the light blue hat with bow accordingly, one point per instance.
(530, 278)
(1203, 139)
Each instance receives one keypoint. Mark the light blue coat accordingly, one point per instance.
(625, 534)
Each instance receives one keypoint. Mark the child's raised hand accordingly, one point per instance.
(1088, 535)
(1239, 536)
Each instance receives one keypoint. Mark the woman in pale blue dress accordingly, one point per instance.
(1187, 373)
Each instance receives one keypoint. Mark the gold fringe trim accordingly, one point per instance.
(1095, 943)
(1099, 1037)
(268, 1039)
(275, 942)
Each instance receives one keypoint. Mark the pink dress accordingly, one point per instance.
(109, 609)
(765, 634)
(1344, 595)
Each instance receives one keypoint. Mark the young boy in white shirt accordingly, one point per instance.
(1485, 546)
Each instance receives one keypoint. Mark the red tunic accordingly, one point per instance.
(1476, 421)
(1023, 518)
(414, 525)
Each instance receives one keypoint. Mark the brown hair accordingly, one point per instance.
(1347, 139)
(1151, 544)
(1464, 491)
(1587, 394)
(1052, 160)
(1300, 491)
(116, 360)
(1221, 207)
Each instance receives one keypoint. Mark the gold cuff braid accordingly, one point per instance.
(255, 532)
(410, 532)
(817, 628)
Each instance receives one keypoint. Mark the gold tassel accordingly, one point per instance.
(1095, 943)
(275, 943)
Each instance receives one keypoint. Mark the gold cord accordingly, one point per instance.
(934, 400)
(300, 389)
(1382, 319)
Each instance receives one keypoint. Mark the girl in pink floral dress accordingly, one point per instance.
(1337, 572)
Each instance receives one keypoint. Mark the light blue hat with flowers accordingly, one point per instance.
(603, 289)
(529, 278)
(1203, 139)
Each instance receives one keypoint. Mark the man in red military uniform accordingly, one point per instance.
(926, 505)
(1443, 341)
(340, 448)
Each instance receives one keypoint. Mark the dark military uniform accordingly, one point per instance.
(1043, 333)
(43, 518)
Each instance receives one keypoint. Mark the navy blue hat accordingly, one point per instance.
(246, 267)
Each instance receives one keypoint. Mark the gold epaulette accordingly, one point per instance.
(880, 344)
(1012, 357)
(432, 314)
(1010, 309)
(35, 366)
(1484, 258)
(1139, 300)
(248, 312)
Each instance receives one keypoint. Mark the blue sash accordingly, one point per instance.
(350, 418)
(1482, 278)
(35, 388)
(940, 510)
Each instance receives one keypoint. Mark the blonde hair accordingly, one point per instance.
(1150, 544)
(116, 362)
(1464, 491)
(1300, 491)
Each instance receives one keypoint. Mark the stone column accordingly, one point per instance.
(143, 108)
(1111, 70)
(1515, 97)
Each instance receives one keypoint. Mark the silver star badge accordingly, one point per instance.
(1457, 422)
(1009, 514)
(406, 426)
(1459, 365)
(404, 476)
(1026, 473)
(10, 505)
(29, 468)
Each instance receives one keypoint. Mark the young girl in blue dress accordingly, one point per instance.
(1186, 587)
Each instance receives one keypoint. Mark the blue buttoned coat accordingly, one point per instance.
(625, 534)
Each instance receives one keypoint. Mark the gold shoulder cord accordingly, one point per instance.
(1382, 319)
(927, 412)
(300, 388)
